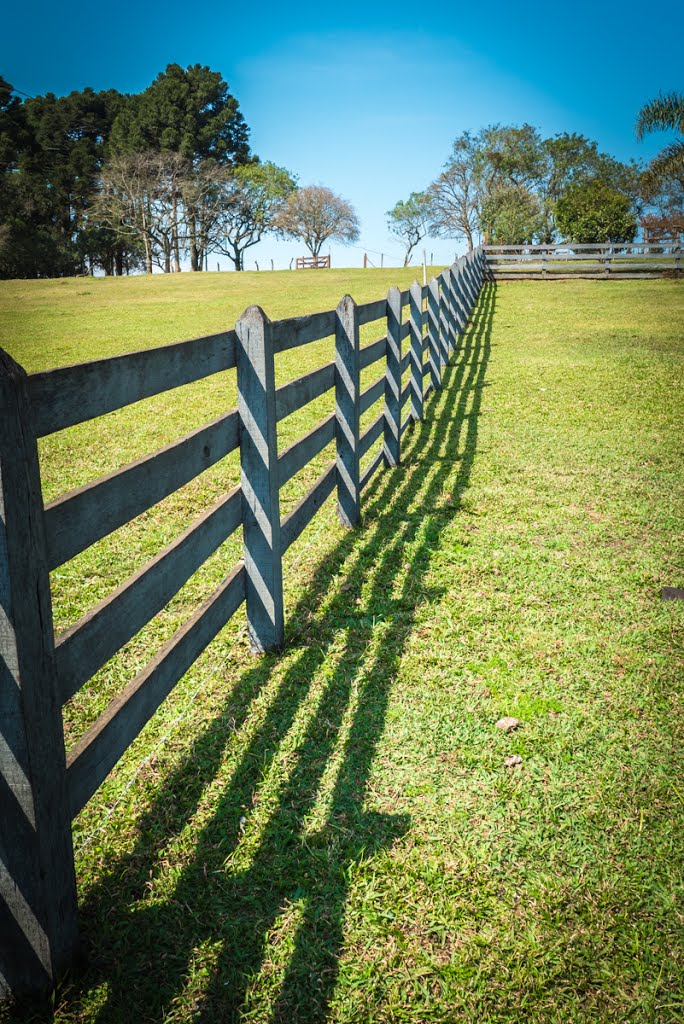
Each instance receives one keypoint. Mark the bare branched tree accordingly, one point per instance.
(454, 197)
(165, 204)
(314, 215)
(126, 199)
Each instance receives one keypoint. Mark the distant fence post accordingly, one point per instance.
(347, 411)
(259, 475)
(392, 434)
(443, 322)
(452, 320)
(458, 298)
(433, 333)
(465, 290)
(38, 906)
(474, 271)
(416, 315)
(470, 275)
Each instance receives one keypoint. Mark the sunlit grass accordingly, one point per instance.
(330, 833)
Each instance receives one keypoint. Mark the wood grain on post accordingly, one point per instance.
(392, 436)
(347, 411)
(468, 285)
(457, 305)
(443, 347)
(38, 907)
(433, 334)
(461, 301)
(474, 280)
(259, 475)
(416, 321)
(449, 315)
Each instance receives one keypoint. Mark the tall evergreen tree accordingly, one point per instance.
(189, 111)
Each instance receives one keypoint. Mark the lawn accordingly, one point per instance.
(331, 833)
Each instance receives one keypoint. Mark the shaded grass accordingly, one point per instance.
(330, 833)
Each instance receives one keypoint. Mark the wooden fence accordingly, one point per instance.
(568, 260)
(312, 263)
(41, 788)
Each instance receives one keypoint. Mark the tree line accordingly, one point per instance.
(510, 186)
(103, 181)
(121, 183)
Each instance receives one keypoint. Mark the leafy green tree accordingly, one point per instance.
(507, 180)
(409, 221)
(664, 113)
(315, 215)
(596, 212)
(251, 198)
(511, 214)
(511, 155)
(575, 160)
(52, 174)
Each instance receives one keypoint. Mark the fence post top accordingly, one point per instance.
(251, 314)
(393, 292)
(10, 368)
(346, 303)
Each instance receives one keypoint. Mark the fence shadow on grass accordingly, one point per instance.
(354, 620)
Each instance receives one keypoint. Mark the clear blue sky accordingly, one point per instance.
(366, 98)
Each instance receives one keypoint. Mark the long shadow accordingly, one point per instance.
(142, 952)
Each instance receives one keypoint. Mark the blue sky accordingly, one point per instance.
(367, 97)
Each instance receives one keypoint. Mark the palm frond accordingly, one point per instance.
(669, 163)
(666, 111)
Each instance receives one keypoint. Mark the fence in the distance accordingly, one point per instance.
(41, 788)
(565, 260)
(312, 263)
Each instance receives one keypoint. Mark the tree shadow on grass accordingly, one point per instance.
(291, 869)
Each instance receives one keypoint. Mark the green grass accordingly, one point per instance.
(330, 833)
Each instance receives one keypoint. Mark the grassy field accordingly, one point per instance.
(330, 833)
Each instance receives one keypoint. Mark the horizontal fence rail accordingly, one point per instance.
(43, 789)
(566, 260)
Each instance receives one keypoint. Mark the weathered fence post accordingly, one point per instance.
(259, 474)
(433, 333)
(469, 271)
(459, 298)
(392, 433)
(466, 291)
(443, 324)
(475, 277)
(38, 907)
(452, 320)
(416, 315)
(348, 411)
